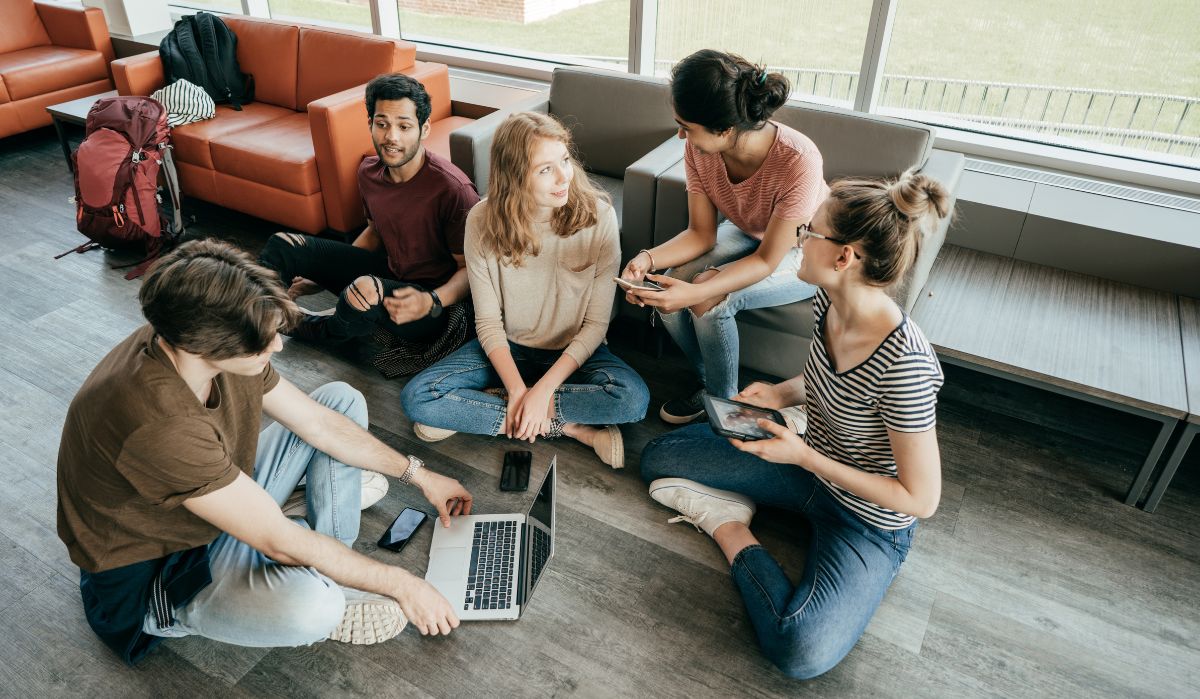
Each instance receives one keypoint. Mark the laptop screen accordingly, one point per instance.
(539, 542)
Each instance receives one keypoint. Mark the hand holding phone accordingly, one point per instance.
(644, 285)
(402, 529)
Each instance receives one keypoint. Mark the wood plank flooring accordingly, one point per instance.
(1031, 580)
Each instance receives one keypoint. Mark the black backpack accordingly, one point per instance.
(202, 50)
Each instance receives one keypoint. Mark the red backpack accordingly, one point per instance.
(117, 195)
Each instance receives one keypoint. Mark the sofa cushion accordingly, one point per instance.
(4, 92)
(852, 143)
(614, 118)
(278, 154)
(615, 187)
(21, 27)
(268, 51)
(331, 61)
(36, 71)
(192, 140)
(438, 140)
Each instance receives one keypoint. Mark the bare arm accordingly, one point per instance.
(246, 512)
(340, 437)
(368, 239)
(698, 238)
(410, 303)
(915, 491)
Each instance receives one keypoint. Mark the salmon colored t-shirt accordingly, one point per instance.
(137, 443)
(789, 185)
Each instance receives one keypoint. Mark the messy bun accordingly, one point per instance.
(720, 91)
(889, 219)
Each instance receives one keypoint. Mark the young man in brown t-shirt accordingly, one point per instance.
(169, 496)
(407, 265)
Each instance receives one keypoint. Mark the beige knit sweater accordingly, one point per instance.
(559, 300)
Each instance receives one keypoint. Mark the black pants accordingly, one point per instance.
(336, 267)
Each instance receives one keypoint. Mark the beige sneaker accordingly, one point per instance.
(368, 619)
(425, 433)
(610, 446)
(703, 507)
(374, 487)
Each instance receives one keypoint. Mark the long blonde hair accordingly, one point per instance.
(507, 226)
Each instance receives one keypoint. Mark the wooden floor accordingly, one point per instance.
(1031, 580)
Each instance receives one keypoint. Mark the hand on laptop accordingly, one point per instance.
(446, 494)
(425, 607)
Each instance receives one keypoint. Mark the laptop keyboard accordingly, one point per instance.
(541, 553)
(489, 581)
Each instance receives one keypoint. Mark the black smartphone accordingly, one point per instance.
(515, 474)
(729, 418)
(402, 529)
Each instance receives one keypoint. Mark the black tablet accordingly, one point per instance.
(730, 418)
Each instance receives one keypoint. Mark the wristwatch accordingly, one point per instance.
(436, 309)
(414, 465)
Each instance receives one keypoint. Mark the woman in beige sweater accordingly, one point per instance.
(541, 251)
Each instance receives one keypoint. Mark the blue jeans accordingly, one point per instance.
(710, 341)
(450, 395)
(254, 601)
(806, 628)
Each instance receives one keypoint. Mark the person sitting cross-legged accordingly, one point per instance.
(407, 266)
(169, 495)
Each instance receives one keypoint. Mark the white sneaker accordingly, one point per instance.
(374, 487)
(368, 619)
(703, 507)
(425, 433)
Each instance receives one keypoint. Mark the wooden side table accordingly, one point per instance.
(73, 112)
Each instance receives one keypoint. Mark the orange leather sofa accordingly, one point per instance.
(48, 54)
(291, 155)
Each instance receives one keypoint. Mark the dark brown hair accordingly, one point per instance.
(722, 90)
(211, 299)
(888, 218)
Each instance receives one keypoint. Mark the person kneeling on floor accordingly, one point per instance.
(169, 496)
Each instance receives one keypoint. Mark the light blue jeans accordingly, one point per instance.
(805, 628)
(710, 341)
(450, 394)
(254, 601)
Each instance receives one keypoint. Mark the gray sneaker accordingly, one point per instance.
(368, 619)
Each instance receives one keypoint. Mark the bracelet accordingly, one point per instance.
(414, 465)
(652, 267)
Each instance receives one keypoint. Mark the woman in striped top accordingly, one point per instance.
(867, 465)
(766, 178)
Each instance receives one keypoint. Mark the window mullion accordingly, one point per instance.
(879, 35)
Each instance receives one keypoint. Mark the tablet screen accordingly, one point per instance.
(742, 419)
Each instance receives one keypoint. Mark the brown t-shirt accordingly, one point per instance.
(137, 443)
(420, 221)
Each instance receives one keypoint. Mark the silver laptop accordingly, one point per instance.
(488, 565)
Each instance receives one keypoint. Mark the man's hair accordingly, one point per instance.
(396, 86)
(211, 299)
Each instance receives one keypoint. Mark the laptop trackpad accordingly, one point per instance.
(448, 563)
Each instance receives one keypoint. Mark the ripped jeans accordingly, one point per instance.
(710, 341)
(360, 278)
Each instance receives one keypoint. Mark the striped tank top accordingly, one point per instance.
(849, 412)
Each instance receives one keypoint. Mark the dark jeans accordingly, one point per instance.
(351, 273)
(806, 628)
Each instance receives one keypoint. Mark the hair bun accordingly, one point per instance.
(916, 196)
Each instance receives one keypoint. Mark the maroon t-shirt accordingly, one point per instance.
(421, 221)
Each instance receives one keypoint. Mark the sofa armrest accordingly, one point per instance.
(945, 167)
(138, 75)
(76, 28)
(471, 145)
(341, 140)
(641, 184)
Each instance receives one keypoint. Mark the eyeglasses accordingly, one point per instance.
(804, 231)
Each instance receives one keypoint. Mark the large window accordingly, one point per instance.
(570, 31)
(352, 14)
(817, 44)
(1106, 75)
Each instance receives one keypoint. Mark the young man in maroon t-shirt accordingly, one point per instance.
(408, 264)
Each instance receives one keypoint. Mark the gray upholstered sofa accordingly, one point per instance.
(775, 340)
(624, 135)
